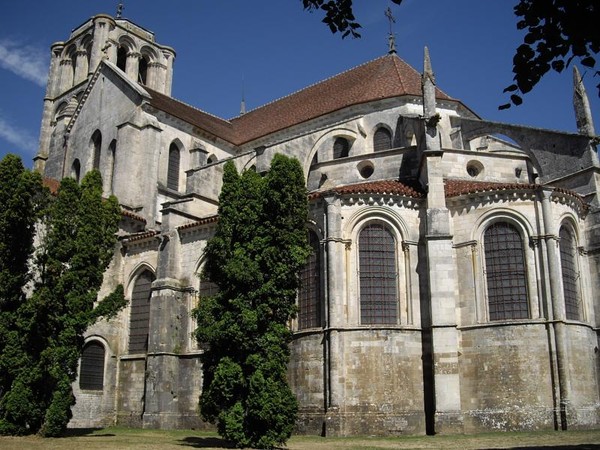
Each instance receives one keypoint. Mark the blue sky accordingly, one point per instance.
(274, 48)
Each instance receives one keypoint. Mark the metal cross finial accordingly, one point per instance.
(391, 38)
(119, 10)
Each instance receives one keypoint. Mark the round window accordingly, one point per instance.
(474, 168)
(365, 168)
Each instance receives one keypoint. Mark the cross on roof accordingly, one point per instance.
(391, 37)
(119, 10)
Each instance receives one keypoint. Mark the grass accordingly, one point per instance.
(133, 438)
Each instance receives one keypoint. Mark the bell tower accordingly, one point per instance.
(130, 47)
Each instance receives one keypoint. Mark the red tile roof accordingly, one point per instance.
(206, 220)
(454, 188)
(382, 78)
(390, 187)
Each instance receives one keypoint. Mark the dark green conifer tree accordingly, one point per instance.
(21, 195)
(77, 240)
(255, 256)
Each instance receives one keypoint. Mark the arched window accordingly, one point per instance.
(505, 272)
(173, 168)
(570, 274)
(139, 321)
(382, 139)
(91, 372)
(309, 294)
(378, 275)
(122, 58)
(143, 70)
(341, 148)
(76, 170)
(112, 153)
(96, 148)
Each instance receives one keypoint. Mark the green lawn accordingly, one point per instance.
(129, 438)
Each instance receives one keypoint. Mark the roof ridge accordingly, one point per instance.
(316, 83)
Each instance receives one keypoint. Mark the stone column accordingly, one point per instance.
(169, 54)
(132, 66)
(81, 66)
(102, 27)
(53, 83)
(442, 274)
(335, 318)
(556, 304)
(166, 334)
(66, 74)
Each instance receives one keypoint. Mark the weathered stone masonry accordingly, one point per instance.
(454, 286)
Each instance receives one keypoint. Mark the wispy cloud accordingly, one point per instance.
(18, 137)
(26, 61)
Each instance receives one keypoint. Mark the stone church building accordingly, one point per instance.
(454, 285)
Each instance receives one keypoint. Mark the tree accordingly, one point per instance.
(254, 258)
(21, 195)
(558, 31)
(77, 238)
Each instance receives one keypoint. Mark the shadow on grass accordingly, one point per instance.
(205, 442)
(77, 432)
(555, 447)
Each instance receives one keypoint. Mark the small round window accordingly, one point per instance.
(474, 168)
(365, 168)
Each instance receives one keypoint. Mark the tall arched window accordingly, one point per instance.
(96, 148)
(505, 272)
(76, 170)
(122, 58)
(570, 274)
(139, 320)
(309, 294)
(91, 372)
(112, 153)
(378, 275)
(173, 168)
(143, 70)
(341, 148)
(382, 139)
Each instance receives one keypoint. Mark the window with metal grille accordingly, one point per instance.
(173, 168)
(309, 294)
(382, 139)
(341, 148)
(96, 148)
(505, 272)
(91, 372)
(570, 273)
(378, 275)
(139, 320)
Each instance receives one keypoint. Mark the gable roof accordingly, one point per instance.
(382, 78)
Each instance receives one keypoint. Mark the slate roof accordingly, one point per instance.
(382, 78)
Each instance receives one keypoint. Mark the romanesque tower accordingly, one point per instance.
(73, 65)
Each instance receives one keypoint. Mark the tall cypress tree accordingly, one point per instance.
(21, 196)
(255, 256)
(77, 239)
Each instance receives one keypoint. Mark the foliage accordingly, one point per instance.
(558, 31)
(76, 242)
(339, 15)
(21, 195)
(254, 258)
